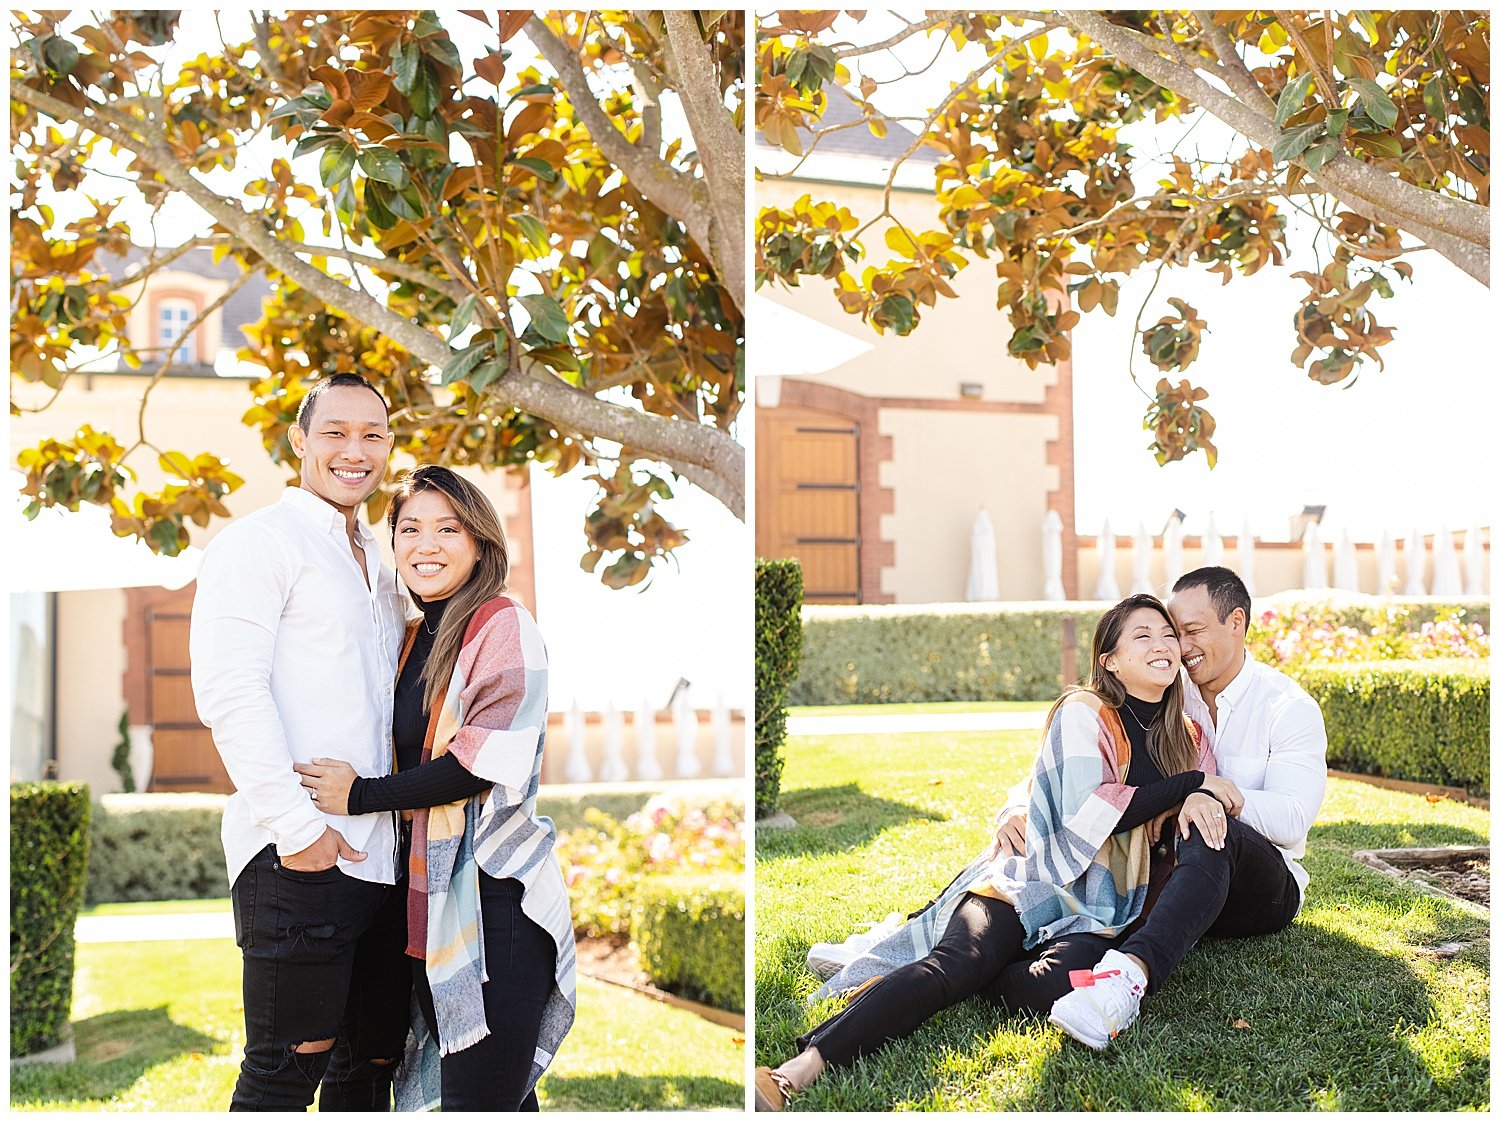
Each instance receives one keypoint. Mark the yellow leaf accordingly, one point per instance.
(900, 241)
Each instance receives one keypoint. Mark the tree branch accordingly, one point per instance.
(675, 192)
(721, 148)
(549, 398)
(936, 19)
(1235, 73)
(1457, 229)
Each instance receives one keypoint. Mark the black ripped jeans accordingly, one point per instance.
(324, 960)
(1241, 890)
(980, 953)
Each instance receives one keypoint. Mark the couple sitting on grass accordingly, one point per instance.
(1159, 811)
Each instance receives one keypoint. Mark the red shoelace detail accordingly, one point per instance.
(1084, 978)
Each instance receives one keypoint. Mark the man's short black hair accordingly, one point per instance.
(1225, 590)
(309, 403)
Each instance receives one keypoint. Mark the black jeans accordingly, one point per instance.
(520, 959)
(980, 952)
(1243, 889)
(324, 960)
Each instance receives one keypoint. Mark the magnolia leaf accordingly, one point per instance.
(536, 164)
(464, 361)
(534, 231)
(381, 163)
(1294, 142)
(1320, 153)
(547, 318)
(1292, 98)
(337, 162)
(1377, 104)
(463, 315)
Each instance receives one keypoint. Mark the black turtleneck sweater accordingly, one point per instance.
(415, 784)
(1152, 792)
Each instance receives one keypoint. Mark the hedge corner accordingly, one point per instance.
(49, 852)
(778, 653)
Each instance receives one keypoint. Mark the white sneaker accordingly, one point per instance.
(1104, 1001)
(827, 959)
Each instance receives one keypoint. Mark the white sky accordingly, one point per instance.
(1400, 448)
(693, 620)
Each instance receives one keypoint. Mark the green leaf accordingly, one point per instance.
(1320, 153)
(427, 25)
(464, 361)
(486, 374)
(547, 318)
(61, 55)
(376, 209)
(1378, 144)
(381, 163)
(446, 53)
(405, 58)
(899, 312)
(463, 315)
(312, 142)
(535, 163)
(337, 162)
(532, 91)
(1292, 98)
(1377, 104)
(1337, 120)
(1435, 99)
(423, 94)
(1294, 142)
(796, 63)
(534, 231)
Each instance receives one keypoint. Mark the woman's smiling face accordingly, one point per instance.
(1147, 657)
(434, 553)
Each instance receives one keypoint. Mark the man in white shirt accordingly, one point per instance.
(296, 632)
(1240, 876)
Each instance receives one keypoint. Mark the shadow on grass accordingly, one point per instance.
(114, 1050)
(619, 1091)
(835, 819)
(1309, 1018)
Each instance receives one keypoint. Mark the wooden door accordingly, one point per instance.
(184, 756)
(807, 499)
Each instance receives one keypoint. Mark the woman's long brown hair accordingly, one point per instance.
(1170, 743)
(477, 516)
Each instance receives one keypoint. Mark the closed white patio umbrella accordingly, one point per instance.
(984, 566)
(1213, 543)
(1140, 560)
(1245, 554)
(1446, 579)
(1107, 587)
(1385, 564)
(1314, 560)
(1474, 567)
(1052, 551)
(1345, 564)
(1416, 565)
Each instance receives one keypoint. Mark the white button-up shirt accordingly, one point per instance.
(294, 656)
(1269, 739)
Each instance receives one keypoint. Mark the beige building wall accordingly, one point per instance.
(90, 685)
(958, 340)
(946, 467)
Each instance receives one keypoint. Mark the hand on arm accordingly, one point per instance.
(1204, 813)
(328, 783)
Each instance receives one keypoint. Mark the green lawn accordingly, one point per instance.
(922, 707)
(159, 1027)
(1344, 1010)
(160, 907)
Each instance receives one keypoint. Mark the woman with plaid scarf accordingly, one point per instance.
(487, 910)
(1013, 925)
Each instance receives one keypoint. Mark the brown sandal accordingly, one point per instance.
(773, 1091)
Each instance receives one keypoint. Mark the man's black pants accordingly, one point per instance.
(1241, 890)
(324, 960)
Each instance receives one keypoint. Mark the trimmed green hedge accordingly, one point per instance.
(49, 856)
(778, 650)
(998, 652)
(157, 847)
(1348, 609)
(690, 932)
(937, 652)
(1427, 721)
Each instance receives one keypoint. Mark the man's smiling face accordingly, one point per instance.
(346, 446)
(1211, 648)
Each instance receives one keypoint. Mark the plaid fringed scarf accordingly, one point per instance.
(493, 718)
(1077, 875)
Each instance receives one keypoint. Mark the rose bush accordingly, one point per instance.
(605, 860)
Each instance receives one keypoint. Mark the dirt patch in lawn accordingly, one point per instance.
(1462, 871)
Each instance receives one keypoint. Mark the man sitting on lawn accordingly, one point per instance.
(1268, 738)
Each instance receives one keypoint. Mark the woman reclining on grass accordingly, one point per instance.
(1013, 927)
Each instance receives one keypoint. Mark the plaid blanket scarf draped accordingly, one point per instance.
(1077, 875)
(493, 717)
